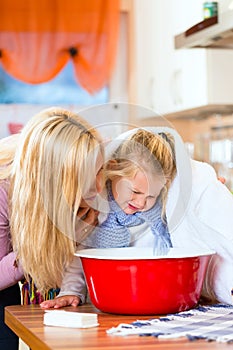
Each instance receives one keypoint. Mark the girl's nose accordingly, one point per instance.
(139, 201)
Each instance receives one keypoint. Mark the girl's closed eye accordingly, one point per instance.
(136, 192)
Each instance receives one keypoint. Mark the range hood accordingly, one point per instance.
(214, 32)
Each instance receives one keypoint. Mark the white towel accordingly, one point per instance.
(63, 318)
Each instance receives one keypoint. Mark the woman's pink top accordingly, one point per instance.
(9, 272)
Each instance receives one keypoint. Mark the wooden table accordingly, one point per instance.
(27, 323)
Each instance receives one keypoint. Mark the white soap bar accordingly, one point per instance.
(62, 318)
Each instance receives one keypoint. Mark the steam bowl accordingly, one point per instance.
(134, 281)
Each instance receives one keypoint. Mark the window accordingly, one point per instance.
(19, 101)
(63, 89)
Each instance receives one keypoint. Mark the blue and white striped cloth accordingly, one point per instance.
(213, 322)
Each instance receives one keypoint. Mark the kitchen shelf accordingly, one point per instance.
(215, 32)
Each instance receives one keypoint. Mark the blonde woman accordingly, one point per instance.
(48, 173)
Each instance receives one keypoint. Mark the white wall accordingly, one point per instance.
(110, 119)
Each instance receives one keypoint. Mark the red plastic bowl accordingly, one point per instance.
(134, 281)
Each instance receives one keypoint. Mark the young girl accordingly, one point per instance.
(198, 209)
(138, 176)
(46, 172)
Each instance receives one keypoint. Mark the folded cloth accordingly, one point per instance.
(204, 322)
(63, 318)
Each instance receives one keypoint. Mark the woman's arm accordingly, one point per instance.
(10, 272)
(73, 288)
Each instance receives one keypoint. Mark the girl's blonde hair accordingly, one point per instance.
(145, 151)
(53, 166)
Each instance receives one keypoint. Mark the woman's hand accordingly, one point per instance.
(88, 216)
(87, 220)
(66, 300)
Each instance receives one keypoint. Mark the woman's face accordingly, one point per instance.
(138, 193)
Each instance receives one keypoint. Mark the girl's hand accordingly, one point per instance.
(66, 300)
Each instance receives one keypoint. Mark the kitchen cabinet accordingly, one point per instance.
(178, 82)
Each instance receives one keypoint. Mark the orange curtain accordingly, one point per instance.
(38, 37)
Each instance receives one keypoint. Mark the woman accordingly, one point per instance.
(48, 173)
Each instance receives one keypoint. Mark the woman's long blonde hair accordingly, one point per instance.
(145, 151)
(8, 147)
(53, 165)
